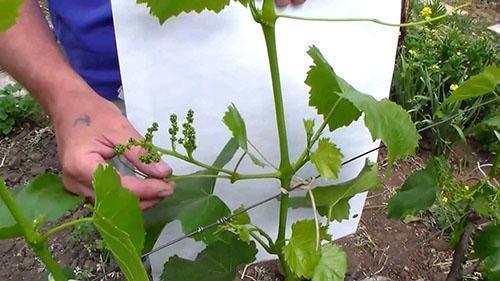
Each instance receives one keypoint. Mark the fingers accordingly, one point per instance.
(78, 174)
(148, 189)
(282, 3)
(89, 194)
(146, 204)
(156, 170)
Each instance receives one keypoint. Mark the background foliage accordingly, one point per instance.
(15, 108)
(433, 60)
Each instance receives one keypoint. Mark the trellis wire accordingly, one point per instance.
(223, 220)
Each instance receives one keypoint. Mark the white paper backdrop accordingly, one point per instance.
(207, 61)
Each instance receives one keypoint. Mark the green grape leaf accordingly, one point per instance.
(166, 9)
(332, 201)
(487, 248)
(309, 128)
(242, 218)
(45, 198)
(233, 120)
(113, 203)
(327, 159)
(122, 247)
(478, 85)
(324, 93)
(339, 212)
(236, 125)
(118, 218)
(301, 253)
(384, 119)
(388, 122)
(239, 225)
(256, 161)
(332, 264)
(218, 262)
(417, 193)
(9, 11)
(193, 203)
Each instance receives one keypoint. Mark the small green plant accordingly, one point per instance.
(458, 207)
(15, 108)
(435, 59)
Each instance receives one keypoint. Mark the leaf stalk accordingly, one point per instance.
(377, 21)
(31, 235)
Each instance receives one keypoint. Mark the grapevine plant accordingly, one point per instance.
(307, 253)
(464, 209)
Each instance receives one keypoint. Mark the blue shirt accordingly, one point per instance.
(86, 32)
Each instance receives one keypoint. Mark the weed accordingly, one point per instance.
(15, 108)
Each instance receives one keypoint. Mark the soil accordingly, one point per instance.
(486, 11)
(29, 151)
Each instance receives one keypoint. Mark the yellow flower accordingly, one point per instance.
(412, 52)
(467, 188)
(426, 13)
(453, 87)
(444, 200)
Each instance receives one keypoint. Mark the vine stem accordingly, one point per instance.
(261, 242)
(272, 249)
(230, 174)
(31, 235)
(236, 177)
(267, 21)
(62, 227)
(316, 220)
(192, 161)
(377, 21)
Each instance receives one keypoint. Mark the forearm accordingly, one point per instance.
(29, 52)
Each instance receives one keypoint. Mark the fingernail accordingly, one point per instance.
(165, 193)
(163, 169)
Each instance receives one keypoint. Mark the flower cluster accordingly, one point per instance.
(426, 13)
(189, 134)
(174, 129)
(152, 155)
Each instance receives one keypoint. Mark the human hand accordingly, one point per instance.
(283, 3)
(86, 133)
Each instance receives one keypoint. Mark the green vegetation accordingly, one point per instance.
(455, 204)
(15, 108)
(437, 57)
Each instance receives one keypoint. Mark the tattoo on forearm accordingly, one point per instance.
(84, 119)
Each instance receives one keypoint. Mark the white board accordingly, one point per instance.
(207, 61)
